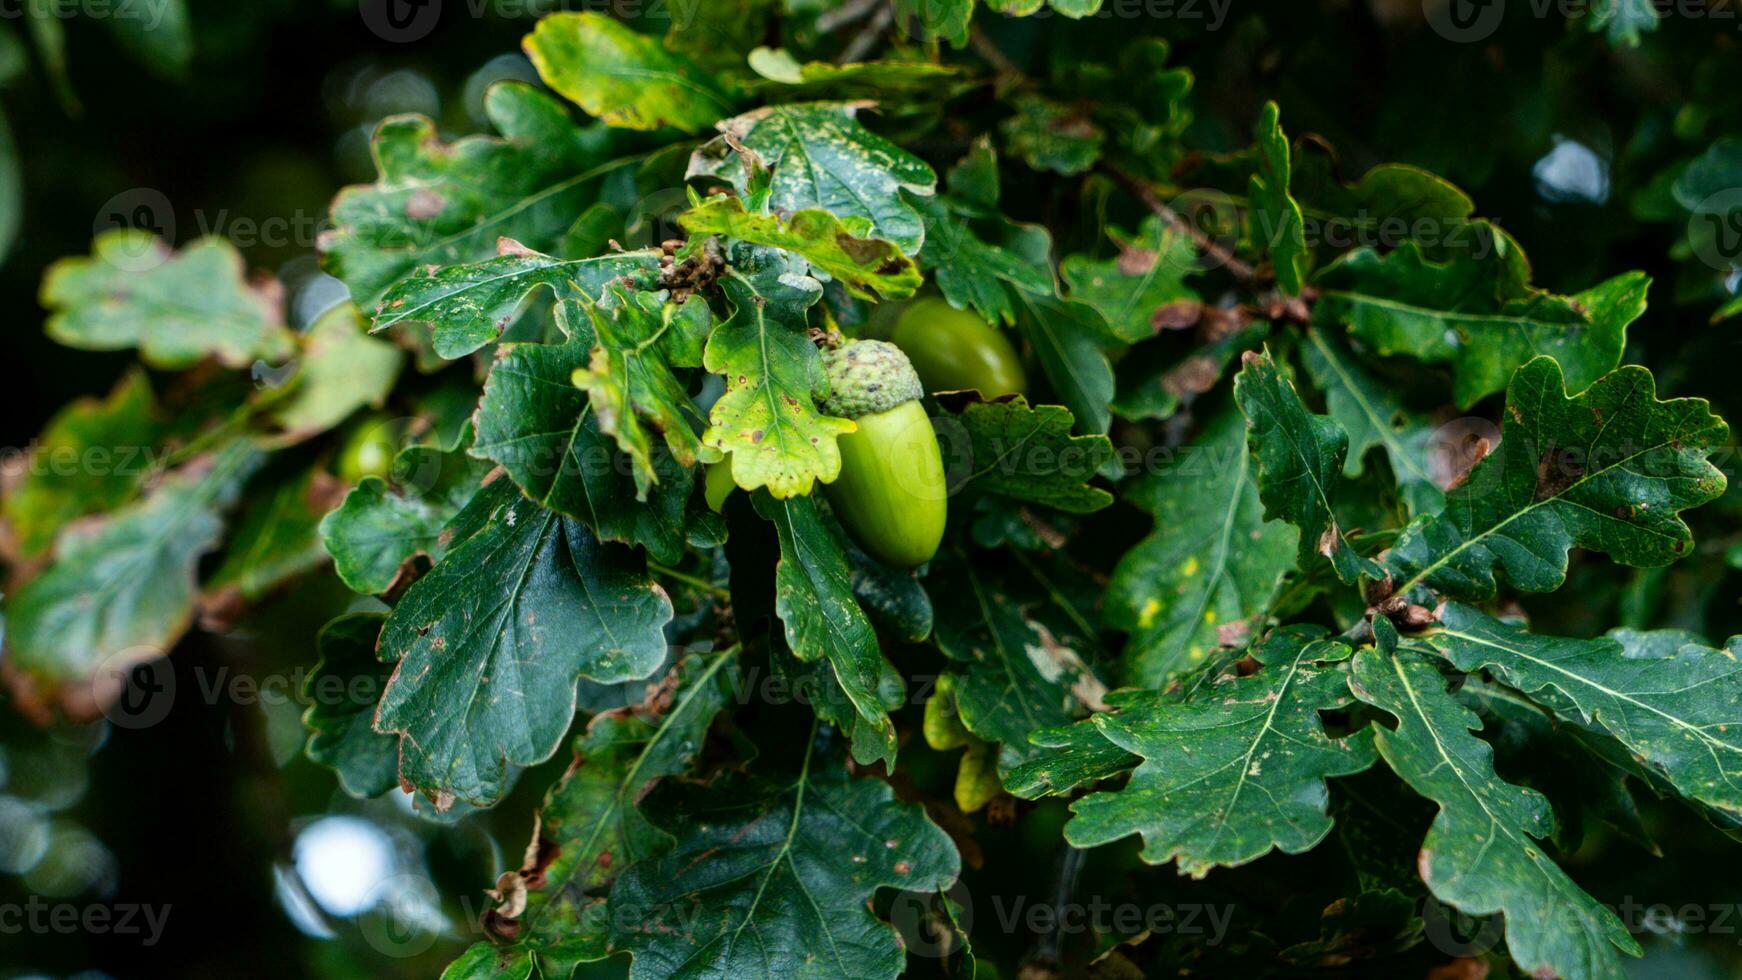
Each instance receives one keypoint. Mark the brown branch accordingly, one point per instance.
(847, 13)
(1215, 250)
(994, 57)
(868, 36)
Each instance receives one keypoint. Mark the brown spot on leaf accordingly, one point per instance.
(1179, 315)
(424, 204)
(1330, 540)
(1556, 470)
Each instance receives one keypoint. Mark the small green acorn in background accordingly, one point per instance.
(891, 495)
(955, 350)
(368, 450)
(717, 484)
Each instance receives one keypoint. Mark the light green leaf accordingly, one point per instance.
(869, 267)
(91, 458)
(546, 433)
(1236, 771)
(1673, 701)
(819, 156)
(342, 370)
(1624, 20)
(814, 599)
(1074, 9)
(176, 307)
(338, 718)
(491, 643)
(1477, 312)
(777, 869)
(1607, 470)
(122, 590)
(626, 78)
(927, 19)
(641, 341)
(914, 80)
(1483, 853)
(1373, 415)
(768, 421)
(1212, 563)
(1300, 462)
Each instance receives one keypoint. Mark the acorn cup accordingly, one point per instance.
(891, 494)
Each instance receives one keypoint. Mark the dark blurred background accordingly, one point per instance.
(267, 869)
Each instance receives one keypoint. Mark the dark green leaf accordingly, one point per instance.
(819, 156)
(1673, 701)
(1236, 771)
(1208, 569)
(1483, 854)
(468, 306)
(1277, 227)
(1024, 655)
(491, 643)
(1028, 454)
(814, 599)
(1608, 470)
(1300, 462)
(1128, 290)
(339, 715)
(545, 432)
(442, 204)
(591, 826)
(379, 528)
(1478, 312)
(768, 872)
(1371, 412)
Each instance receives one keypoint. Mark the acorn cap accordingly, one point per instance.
(867, 377)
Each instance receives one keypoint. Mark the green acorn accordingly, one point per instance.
(956, 350)
(891, 495)
(368, 450)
